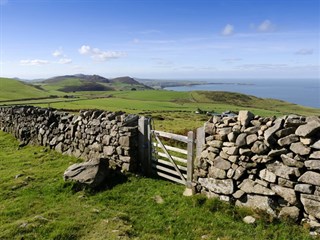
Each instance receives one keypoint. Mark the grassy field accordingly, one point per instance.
(175, 111)
(13, 89)
(36, 203)
(172, 111)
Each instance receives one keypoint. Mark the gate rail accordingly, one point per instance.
(157, 155)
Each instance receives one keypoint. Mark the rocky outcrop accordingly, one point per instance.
(90, 135)
(267, 163)
(90, 173)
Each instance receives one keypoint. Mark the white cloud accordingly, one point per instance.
(99, 55)
(228, 30)
(65, 61)
(231, 60)
(57, 53)
(304, 51)
(265, 26)
(85, 50)
(33, 62)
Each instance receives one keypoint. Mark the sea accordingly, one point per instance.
(305, 92)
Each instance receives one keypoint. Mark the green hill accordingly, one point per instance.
(14, 89)
(81, 82)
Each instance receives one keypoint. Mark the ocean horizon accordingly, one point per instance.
(305, 92)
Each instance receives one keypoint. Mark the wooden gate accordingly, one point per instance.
(168, 155)
(174, 163)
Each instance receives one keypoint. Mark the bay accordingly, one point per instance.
(304, 92)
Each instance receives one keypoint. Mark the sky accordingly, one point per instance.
(162, 39)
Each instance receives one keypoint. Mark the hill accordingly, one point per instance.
(128, 83)
(82, 82)
(83, 77)
(15, 89)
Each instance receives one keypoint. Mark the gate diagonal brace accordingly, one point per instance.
(170, 158)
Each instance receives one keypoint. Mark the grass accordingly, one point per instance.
(36, 203)
(14, 89)
(172, 111)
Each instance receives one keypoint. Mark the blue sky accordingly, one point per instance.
(170, 39)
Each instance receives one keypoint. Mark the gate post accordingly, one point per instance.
(200, 142)
(190, 158)
(144, 145)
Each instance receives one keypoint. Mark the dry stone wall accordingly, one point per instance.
(93, 134)
(272, 164)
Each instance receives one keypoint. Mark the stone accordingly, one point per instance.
(315, 155)
(249, 220)
(285, 132)
(250, 186)
(228, 144)
(188, 192)
(290, 161)
(232, 136)
(311, 178)
(285, 183)
(287, 194)
(241, 140)
(261, 158)
(262, 182)
(283, 171)
(224, 131)
(108, 150)
(288, 140)
(306, 141)
(221, 163)
(224, 198)
(92, 173)
(96, 147)
(230, 173)
(294, 122)
(158, 199)
(263, 203)
(290, 213)
(259, 148)
(238, 173)
(311, 204)
(270, 132)
(106, 140)
(267, 175)
(244, 117)
(124, 141)
(230, 150)
(233, 158)
(304, 188)
(59, 147)
(251, 138)
(214, 172)
(216, 143)
(224, 155)
(312, 164)
(316, 145)
(299, 148)
(277, 152)
(223, 186)
(209, 128)
(308, 129)
(252, 130)
(238, 194)
(245, 151)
